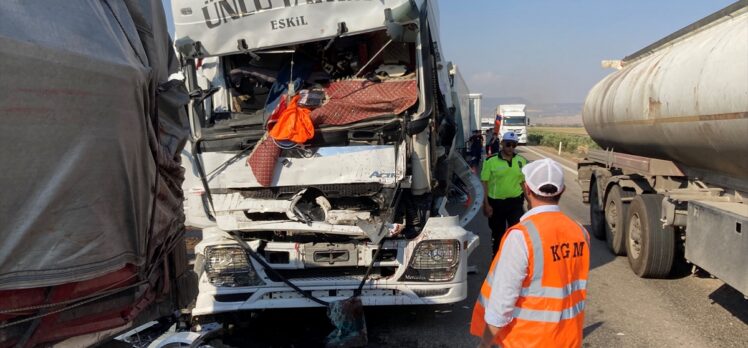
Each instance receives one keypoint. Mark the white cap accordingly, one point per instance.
(510, 136)
(544, 172)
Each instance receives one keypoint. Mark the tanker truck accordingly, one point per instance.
(672, 178)
(357, 208)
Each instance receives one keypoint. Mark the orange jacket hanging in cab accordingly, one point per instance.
(294, 124)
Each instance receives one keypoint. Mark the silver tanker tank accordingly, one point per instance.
(683, 98)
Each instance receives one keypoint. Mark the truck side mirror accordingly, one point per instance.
(394, 30)
(395, 16)
(527, 121)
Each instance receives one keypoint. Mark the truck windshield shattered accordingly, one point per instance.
(356, 91)
(256, 85)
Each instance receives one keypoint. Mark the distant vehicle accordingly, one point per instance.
(487, 124)
(475, 106)
(513, 119)
(466, 104)
(673, 179)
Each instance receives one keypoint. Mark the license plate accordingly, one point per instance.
(330, 255)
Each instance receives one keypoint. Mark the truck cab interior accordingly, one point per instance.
(256, 82)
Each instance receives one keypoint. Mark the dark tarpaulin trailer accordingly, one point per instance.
(91, 217)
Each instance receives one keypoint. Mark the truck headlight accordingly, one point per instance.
(230, 266)
(433, 261)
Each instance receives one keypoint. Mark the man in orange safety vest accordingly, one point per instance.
(535, 290)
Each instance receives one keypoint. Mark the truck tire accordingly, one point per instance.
(597, 218)
(650, 247)
(615, 219)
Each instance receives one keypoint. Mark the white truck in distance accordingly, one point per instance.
(513, 119)
(317, 213)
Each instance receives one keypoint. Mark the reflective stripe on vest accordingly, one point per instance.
(482, 300)
(543, 316)
(549, 316)
(536, 288)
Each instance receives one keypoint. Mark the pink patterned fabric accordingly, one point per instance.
(356, 100)
(348, 102)
(262, 160)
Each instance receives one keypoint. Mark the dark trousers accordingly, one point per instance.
(476, 157)
(506, 213)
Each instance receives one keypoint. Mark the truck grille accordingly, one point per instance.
(431, 292)
(327, 274)
(331, 190)
(331, 257)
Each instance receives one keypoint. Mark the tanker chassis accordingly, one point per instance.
(674, 178)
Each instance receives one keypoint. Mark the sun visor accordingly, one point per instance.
(222, 27)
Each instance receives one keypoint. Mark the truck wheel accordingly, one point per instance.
(597, 219)
(650, 247)
(615, 219)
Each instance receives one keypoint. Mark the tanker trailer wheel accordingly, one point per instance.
(597, 219)
(650, 247)
(615, 219)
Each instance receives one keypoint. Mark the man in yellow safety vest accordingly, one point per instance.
(502, 184)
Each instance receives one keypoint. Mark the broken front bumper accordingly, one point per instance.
(392, 284)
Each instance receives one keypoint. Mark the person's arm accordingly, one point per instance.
(485, 174)
(488, 334)
(487, 209)
(508, 276)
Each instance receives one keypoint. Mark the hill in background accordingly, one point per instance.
(557, 114)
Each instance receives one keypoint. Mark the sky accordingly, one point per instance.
(549, 51)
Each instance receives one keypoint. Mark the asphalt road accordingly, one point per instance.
(622, 309)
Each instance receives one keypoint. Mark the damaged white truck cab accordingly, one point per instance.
(365, 197)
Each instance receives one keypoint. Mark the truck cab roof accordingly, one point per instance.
(219, 28)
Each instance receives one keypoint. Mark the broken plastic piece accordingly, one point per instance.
(311, 98)
(394, 229)
(350, 324)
